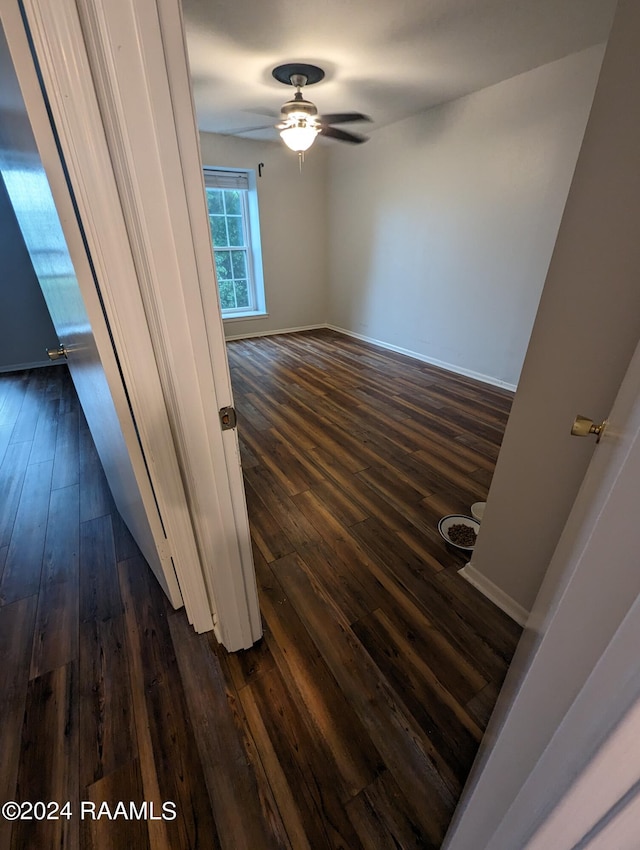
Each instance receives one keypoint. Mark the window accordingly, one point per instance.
(233, 218)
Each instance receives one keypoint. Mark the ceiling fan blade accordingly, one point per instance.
(342, 135)
(343, 118)
(239, 130)
(267, 113)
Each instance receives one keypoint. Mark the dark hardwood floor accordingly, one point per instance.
(354, 722)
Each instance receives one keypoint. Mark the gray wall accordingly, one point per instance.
(26, 329)
(293, 230)
(442, 226)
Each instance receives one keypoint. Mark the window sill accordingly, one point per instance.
(241, 317)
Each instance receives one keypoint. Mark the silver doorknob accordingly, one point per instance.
(57, 353)
(582, 427)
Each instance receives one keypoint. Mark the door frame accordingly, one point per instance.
(140, 249)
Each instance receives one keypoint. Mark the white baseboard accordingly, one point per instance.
(21, 367)
(273, 333)
(458, 370)
(487, 588)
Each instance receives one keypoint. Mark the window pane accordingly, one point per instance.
(242, 293)
(214, 202)
(230, 225)
(232, 200)
(239, 260)
(236, 236)
(227, 297)
(223, 265)
(218, 231)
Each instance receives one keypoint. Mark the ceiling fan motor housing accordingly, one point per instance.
(299, 104)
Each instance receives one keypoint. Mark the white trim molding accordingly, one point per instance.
(20, 367)
(495, 594)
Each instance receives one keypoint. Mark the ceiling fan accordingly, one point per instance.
(299, 120)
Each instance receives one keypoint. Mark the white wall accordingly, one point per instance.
(292, 226)
(26, 329)
(442, 226)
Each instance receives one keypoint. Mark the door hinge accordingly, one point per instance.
(228, 418)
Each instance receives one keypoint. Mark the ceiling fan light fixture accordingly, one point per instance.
(299, 133)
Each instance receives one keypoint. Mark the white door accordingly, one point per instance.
(561, 764)
(91, 357)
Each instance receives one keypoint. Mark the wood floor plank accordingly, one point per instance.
(475, 609)
(297, 528)
(245, 812)
(400, 569)
(284, 795)
(380, 816)
(123, 785)
(292, 471)
(107, 726)
(393, 732)
(98, 573)
(5, 436)
(302, 761)
(16, 637)
(267, 532)
(173, 765)
(347, 743)
(27, 419)
(66, 467)
(15, 385)
(21, 576)
(62, 541)
(452, 733)
(331, 497)
(12, 471)
(49, 764)
(163, 835)
(46, 431)
(126, 547)
(55, 639)
(363, 496)
(96, 499)
(347, 587)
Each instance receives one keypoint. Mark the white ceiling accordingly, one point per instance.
(385, 58)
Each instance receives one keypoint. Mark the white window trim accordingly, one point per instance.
(244, 179)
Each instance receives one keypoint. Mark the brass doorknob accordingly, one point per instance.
(582, 427)
(57, 353)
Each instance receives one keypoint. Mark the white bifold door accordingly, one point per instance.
(101, 160)
(95, 373)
